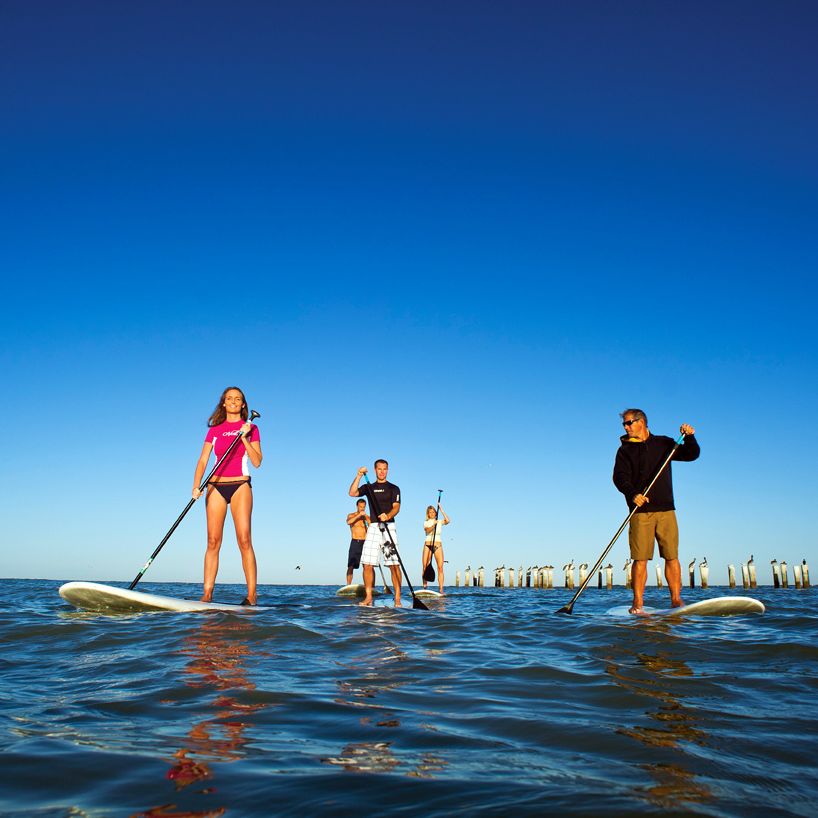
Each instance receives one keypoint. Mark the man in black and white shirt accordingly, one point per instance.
(381, 538)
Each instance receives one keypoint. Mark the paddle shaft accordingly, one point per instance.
(437, 521)
(253, 416)
(416, 603)
(569, 607)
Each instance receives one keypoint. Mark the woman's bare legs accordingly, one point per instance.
(241, 506)
(216, 511)
(439, 558)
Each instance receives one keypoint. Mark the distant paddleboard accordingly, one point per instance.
(428, 593)
(93, 596)
(355, 590)
(719, 606)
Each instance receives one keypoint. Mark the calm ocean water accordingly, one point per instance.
(490, 704)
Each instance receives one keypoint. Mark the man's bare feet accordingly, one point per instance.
(634, 609)
(677, 603)
(367, 603)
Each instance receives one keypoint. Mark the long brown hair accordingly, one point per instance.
(220, 413)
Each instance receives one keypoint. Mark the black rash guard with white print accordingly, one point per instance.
(381, 496)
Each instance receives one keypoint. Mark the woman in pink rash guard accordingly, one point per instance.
(230, 485)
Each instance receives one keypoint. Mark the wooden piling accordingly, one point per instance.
(691, 572)
(731, 576)
(805, 573)
(796, 575)
(745, 576)
(609, 576)
(658, 575)
(457, 580)
(784, 581)
(776, 574)
(704, 572)
(751, 568)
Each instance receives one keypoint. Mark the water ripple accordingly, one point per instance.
(488, 704)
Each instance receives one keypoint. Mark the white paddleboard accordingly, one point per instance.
(355, 590)
(427, 593)
(94, 596)
(718, 606)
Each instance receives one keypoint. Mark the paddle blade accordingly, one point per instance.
(429, 573)
(416, 603)
(567, 609)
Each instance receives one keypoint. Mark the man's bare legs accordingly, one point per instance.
(639, 577)
(397, 579)
(369, 583)
(673, 575)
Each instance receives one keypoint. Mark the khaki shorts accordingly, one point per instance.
(648, 526)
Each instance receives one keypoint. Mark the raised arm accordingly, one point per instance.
(253, 449)
(689, 450)
(353, 489)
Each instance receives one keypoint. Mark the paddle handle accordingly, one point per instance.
(437, 521)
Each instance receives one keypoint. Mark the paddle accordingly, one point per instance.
(429, 571)
(569, 607)
(253, 416)
(416, 603)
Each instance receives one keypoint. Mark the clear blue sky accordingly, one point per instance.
(459, 235)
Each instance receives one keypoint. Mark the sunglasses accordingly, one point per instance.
(627, 423)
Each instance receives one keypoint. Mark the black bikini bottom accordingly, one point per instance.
(227, 490)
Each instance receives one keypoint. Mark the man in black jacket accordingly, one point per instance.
(639, 458)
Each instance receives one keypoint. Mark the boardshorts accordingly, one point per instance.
(377, 545)
(649, 526)
(355, 549)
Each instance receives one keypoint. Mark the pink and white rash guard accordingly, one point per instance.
(221, 436)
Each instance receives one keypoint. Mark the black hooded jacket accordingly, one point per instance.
(638, 461)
